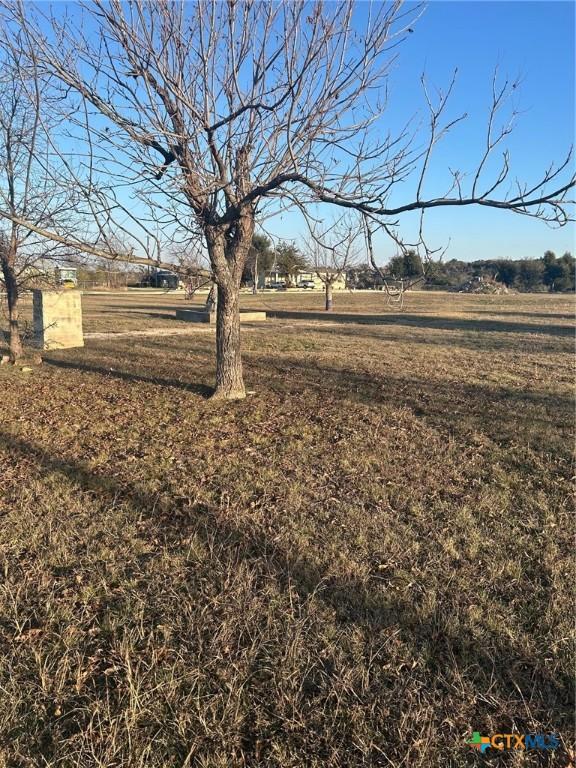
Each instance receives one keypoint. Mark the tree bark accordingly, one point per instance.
(228, 247)
(329, 300)
(16, 349)
(229, 380)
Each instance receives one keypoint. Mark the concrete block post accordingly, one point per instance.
(58, 319)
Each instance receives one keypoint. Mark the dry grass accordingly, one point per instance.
(357, 566)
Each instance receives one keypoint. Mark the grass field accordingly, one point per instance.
(362, 563)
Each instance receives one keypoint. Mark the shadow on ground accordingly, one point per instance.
(479, 342)
(492, 662)
(130, 376)
(428, 321)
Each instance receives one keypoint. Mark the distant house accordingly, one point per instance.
(277, 277)
(339, 283)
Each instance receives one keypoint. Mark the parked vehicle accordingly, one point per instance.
(161, 278)
(307, 284)
(277, 286)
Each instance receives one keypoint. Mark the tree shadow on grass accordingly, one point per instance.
(520, 313)
(490, 662)
(200, 389)
(393, 318)
(482, 326)
(502, 413)
(428, 321)
(160, 316)
(163, 313)
(154, 309)
(477, 343)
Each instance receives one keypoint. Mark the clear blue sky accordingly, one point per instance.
(532, 40)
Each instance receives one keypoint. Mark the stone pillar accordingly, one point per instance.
(58, 319)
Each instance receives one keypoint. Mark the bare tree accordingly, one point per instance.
(223, 112)
(27, 190)
(333, 253)
(396, 285)
(36, 195)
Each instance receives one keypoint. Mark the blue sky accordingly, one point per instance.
(530, 40)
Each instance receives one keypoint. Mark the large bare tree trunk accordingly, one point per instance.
(228, 260)
(329, 299)
(16, 350)
(229, 380)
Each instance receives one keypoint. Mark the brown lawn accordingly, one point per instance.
(361, 564)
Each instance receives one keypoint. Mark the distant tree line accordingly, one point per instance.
(549, 273)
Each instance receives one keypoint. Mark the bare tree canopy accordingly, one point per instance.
(220, 114)
(31, 195)
(333, 252)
